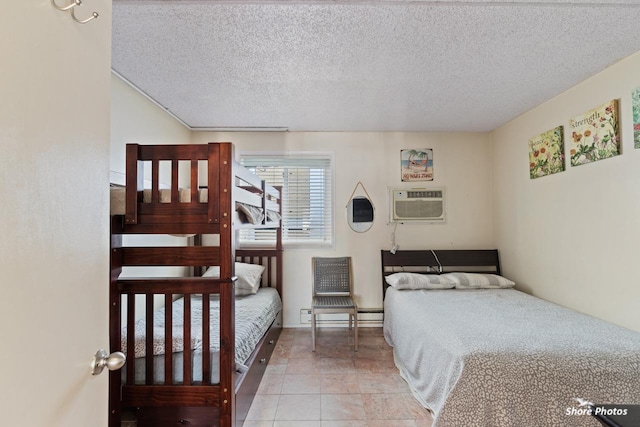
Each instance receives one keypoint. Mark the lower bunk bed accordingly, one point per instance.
(258, 322)
(477, 352)
(197, 342)
(162, 387)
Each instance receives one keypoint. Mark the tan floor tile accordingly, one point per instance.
(298, 407)
(263, 407)
(334, 386)
(374, 366)
(297, 424)
(271, 384)
(301, 351)
(250, 423)
(373, 340)
(332, 339)
(287, 335)
(381, 383)
(276, 366)
(303, 338)
(282, 351)
(369, 352)
(335, 351)
(337, 365)
(342, 407)
(393, 407)
(302, 366)
(301, 384)
(349, 423)
(339, 384)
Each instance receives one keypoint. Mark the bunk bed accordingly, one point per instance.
(477, 352)
(186, 363)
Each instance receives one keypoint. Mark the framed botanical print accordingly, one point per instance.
(595, 135)
(546, 153)
(635, 98)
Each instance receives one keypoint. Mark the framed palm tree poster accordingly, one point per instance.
(416, 165)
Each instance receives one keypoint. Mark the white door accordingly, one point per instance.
(54, 157)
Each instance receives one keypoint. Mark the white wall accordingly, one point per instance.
(135, 119)
(572, 237)
(54, 255)
(461, 164)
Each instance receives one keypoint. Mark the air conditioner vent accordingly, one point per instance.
(421, 209)
(419, 194)
(417, 205)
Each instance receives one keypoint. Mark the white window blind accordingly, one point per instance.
(306, 182)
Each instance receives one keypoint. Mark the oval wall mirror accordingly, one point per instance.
(360, 214)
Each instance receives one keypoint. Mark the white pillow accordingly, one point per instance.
(212, 272)
(252, 214)
(479, 281)
(418, 281)
(249, 277)
(215, 273)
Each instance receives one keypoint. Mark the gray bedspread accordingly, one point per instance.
(504, 358)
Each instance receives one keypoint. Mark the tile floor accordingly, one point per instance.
(334, 386)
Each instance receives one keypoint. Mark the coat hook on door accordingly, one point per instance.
(72, 7)
(94, 15)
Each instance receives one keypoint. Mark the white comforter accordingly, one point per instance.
(505, 358)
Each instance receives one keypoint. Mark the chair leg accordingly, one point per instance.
(355, 329)
(313, 331)
(350, 320)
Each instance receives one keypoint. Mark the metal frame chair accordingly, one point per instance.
(333, 292)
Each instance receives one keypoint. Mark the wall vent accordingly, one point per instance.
(417, 205)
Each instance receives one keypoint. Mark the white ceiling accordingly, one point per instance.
(365, 65)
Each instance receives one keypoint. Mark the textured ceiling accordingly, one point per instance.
(366, 65)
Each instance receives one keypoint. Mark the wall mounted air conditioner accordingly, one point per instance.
(417, 205)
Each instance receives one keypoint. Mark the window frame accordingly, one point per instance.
(297, 244)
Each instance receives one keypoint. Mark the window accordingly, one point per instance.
(306, 181)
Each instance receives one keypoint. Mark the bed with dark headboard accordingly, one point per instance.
(440, 261)
(495, 356)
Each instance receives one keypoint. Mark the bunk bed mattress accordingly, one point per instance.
(502, 357)
(250, 214)
(254, 315)
(118, 197)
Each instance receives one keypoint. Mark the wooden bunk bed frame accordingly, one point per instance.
(188, 403)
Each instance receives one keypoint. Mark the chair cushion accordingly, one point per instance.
(325, 301)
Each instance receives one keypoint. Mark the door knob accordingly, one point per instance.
(112, 362)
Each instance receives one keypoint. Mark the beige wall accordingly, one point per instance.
(569, 238)
(54, 255)
(461, 165)
(572, 238)
(135, 119)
